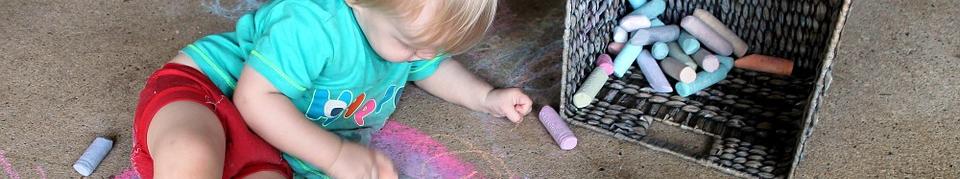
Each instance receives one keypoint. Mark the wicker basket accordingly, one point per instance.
(806, 31)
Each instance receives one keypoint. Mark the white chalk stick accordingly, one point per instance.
(707, 61)
(633, 22)
(677, 70)
(706, 35)
(739, 46)
(92, 157)
(619, 35)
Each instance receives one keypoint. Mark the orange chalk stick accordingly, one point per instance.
(763, 63)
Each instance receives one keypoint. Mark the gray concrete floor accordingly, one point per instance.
(71, 71)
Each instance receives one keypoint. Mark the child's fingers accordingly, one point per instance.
(385, 168)
(524, 104)
(512, 114)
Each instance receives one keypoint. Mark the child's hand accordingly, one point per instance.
(357, 161)
(509, 102)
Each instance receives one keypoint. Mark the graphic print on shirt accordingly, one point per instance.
(345, 105)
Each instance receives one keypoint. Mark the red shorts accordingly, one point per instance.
(246, 153)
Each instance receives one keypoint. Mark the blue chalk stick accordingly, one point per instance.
(655, 22)
(651, 9)
(706, 79)
(625, 59)
(637, 3)
(653, 74)
(660, 50)
(688, 43)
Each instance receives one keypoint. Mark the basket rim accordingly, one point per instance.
(824, 78)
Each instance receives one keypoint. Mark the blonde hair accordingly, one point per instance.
(457, 26)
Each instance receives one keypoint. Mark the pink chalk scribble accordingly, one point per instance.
(40, 172)
(418, 155)
(129, 173)
(7, 168)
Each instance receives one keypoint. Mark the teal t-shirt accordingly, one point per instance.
(314, 52)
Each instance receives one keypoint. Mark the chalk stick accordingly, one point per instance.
(590, 87)
(604, 62)
(763, 63)
(677, 53)
(707, 61)
(651, 9)
(739, 46)
(633, 22)
(706, 79)
(625, 59)
(635, 4)
(689, 43)
(653, 74)
(656, 23)
(619, 34)
(650, 35)
(558, 129)
(92, 157)
(614, 48)
(659, 50)
(677, 70)
(708, 38)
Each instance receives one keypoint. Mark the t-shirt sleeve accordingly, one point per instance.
(291, 47)
(420, 70)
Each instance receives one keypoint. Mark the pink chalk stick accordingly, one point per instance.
(614, 48)
(557, 128)
(605, 63)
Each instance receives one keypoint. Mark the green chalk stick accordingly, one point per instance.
(688, 43)
(706, 79)
(655, 22)
(652, 8)
(677, 53)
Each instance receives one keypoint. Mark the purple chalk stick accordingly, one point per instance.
(557, 128)
(653, 74)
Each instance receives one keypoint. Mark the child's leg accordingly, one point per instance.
(184, 126)
(186, 140)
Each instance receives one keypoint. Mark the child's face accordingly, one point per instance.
(389, 36)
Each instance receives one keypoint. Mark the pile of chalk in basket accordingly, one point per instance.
(700, 43)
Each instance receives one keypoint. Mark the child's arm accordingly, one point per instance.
(274, 118)
(452, 82)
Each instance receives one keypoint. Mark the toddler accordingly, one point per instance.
(314, 79)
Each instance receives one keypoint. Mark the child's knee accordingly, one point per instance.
(188, 128)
